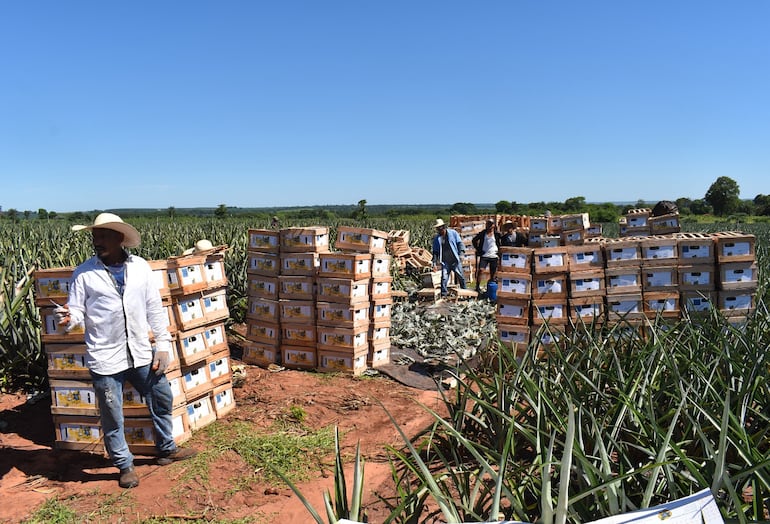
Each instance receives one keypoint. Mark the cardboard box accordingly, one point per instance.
(514, 285)
(67, 361)
(355, 266)
(299, 334)
(696, 277)
(623, 280)
(168, 306)
(575, 221)
(216, 338)
(263, 309)
(738, 275)
(262, 286)
(302, 264)
(52, 284)
(298, 357)
(664, 224)
(550, 260)
(175, 381)
(265, 264)
(695, 248)
(587, 283)
(551, 311)
(515, 260)
(381, 309)
(188, 311)
(261, 354)
(304, 239)
(343, 290)
(379, 356)
(266, 332)
(734, 247)
(625, 307)
(661, 278)
(637, 217)
(379, 335)
(223, 399)
(134, 403)
(514, 335)
(296, 287)
(215, 305)
(264, 240)
(186, 274)
(73, 397)
(342, 338)
(575, 237)
(555, 225)
(381, 265)
(585, 257)
(661, 304)
(622, 252)
(361, 239)
(342, 362)
(550, 285)
(512, 311)
(630, 231)
(337, 314)
(546, 338)
(538, 225)
(214, 270)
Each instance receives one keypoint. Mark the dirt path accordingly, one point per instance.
(31, 471)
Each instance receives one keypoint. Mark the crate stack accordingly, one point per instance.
(635, 223)
(263, 330)
(696, 272)
(467, 230)
(514, 295)
(199, 370)
(623, 273)
(737, 277)
(587, 287)
(550, 273)
(660, 276)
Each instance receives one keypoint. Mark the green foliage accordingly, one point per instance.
(723, 195)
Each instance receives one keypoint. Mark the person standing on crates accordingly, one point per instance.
(487, 246)
(448, 253)
(115, 297)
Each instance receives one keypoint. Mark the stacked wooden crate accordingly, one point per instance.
(192, 290)
(587, 287)
(514, 295)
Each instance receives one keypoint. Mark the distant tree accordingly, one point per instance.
(762, 204)
(463, 208)
(171, 211)
(360, 213)
(701, 207)
(221, 211)
(575, 204)
(684, 205)
(77, 216)
(503, 207)
(52, 214)
(607, 212)
(27, 213)
(12, 214)
(42, 214)
(723, 195)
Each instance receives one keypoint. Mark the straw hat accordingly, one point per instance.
(200, 245)
(439, 223)
(131, 237)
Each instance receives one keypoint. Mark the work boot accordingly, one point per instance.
(176, 455)
(128, 478)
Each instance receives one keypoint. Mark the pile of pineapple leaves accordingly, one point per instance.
(443, 331)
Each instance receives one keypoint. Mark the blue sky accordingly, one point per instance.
(189, 103)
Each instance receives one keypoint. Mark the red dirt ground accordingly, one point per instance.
(31, 471)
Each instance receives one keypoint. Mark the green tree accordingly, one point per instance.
(723, 196)
(684, 205)
(27, 212)
(221, 211)
(42, 214)
(575, 204)
(762, 204)
(52, 214)
(171, 211)
(701, 207)
(361, 213)
(463, 208)
(12, 214)
(503, 207)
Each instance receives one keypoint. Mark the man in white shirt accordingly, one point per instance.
(114, 296)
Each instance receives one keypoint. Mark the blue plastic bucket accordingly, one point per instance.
(492, 291)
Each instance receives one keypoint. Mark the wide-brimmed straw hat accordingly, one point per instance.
(131, 237)
(439, 223)
(200, 245)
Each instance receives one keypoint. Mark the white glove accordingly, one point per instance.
(160, 362)
(63, 316)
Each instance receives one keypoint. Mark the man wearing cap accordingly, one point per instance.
(448, 252)
(115, 298)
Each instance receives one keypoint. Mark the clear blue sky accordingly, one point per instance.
(254, 103)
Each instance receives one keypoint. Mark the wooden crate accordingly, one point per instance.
(379, 356)
(514, 285)
(304, 239)
(661, 304)
(200, 411)
(73, 397)
(694, 302)
(303, 264)
(513, 311)
(52, 284)
(299, 334)
(550, 285)
(196, 380)
(585, 257)
(734, 246)
(338, 314)
(736, 302)
(214, 270)
(586, 309)
(264, 240)
(298, 357)
(160, 276)
(342, 338)
(297, 311)
(622, 252)
(550, 260)
(296, 287)
(265, 264)
(516, 336)
(175, 382)
(52, 332)
(263, 286)
(659, 251)
(191, 346)
(266, 332)
(587, 283)
(697, 277)
(343, 290)
(361, 239)
(261, 354)
(381, 265)
(515, 260)
(660, 278)
(625, 307)
(342, 361)
(67, 361)
(186, 274)
(79, 432)
(574, 221)
(380, 288)
(223, 399)
(355, 266)
(738, 275)
(219, 368)
(623, 280)
(263, 310)
(664, 224)
(551, 311)
(575, 237)
(695, 248)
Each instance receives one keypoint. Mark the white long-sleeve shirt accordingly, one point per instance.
(115, 325)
